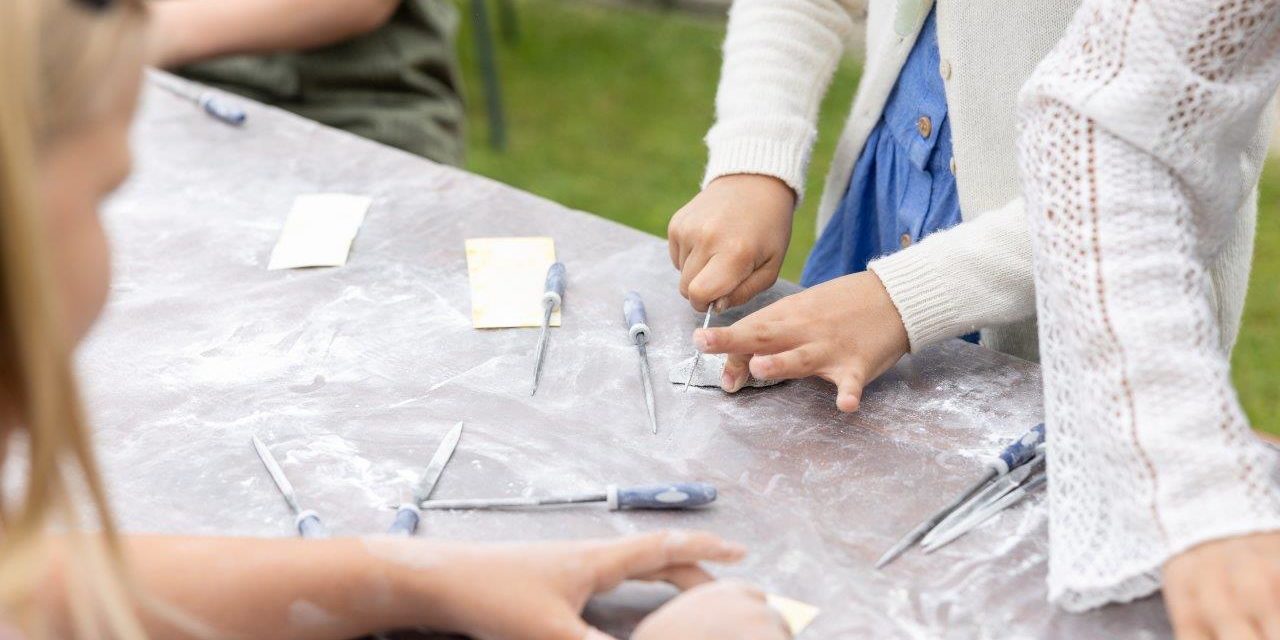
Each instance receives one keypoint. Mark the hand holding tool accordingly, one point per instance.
(697, 354)
(680, 495)
(307, 522)
(551, 300)
(638, 328)
(1016, 454)
(407, 515)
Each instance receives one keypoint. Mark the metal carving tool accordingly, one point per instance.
(680, 495)
(637, 327)
(211, 103)
(1018, 453)
(307, 522)
(697, 353)
(994, 490)
(407, 515)
(986, 512)
(551, 300)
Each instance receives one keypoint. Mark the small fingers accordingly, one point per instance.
(752, 335)
(759, 280)
(736, 372)
(722, 273)
(652, 552)
(849, 393)
(689, 269)
(801, 362)
(683, 577)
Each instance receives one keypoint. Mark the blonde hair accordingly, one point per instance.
(57, 58)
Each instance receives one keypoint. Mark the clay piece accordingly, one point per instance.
(709, 371)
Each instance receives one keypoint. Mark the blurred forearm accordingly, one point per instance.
(186, 31)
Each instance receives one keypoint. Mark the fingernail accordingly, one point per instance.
(700, 341)
(734, 550)
(732, 383)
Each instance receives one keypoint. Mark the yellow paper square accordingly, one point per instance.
(508, 278)
(798, 615)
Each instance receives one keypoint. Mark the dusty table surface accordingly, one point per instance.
(353, 374)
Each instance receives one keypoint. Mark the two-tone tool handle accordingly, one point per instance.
(554, 295)
(220, 109)
(310, 526)
(1020, 451)
(681, 495)
(406, 522)
(635, 317)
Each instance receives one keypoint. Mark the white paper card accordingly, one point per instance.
(319, 231)
(508, 278)
(798, 615)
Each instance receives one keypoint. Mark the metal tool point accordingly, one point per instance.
(697, 353)
(633, 313)
(551, 299)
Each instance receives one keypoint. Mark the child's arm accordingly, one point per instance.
(779, 58)
(273, 589)
(1137, 160)
(186, 31)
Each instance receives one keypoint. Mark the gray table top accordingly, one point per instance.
(353, 374)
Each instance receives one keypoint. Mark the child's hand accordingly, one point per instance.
(536, 591)
(846, 331)
(715, 611)
(729, 241)
(1226, 589)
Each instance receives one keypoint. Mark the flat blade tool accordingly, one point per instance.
(551, 300)
(307, 522)
(407, 515)
(677, 496)
(1016, 454)
(637, 327)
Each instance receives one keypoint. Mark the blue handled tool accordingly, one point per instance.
(216, 106)
(986, 512)
(307, 522)
(638, 328)
(697, 354)
(680, 495)
(551, 300)
(1017, 453)
(994, 490)
(407, 515)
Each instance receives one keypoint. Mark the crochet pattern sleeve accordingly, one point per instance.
(1135, 134)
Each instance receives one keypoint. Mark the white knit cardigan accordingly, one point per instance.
(1142, 153)
(779, 57)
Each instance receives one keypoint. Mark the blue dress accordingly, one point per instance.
(902, 188)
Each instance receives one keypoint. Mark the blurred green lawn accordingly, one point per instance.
(607, 107)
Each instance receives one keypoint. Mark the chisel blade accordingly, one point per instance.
(431, 476)
(647, 381)
(277, 474)
(697, 354)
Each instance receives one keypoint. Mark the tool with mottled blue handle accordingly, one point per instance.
(638, 328)
(680, 495)
(308, 522)
(407, 515)
(551, 300)
(1016, 454)
(221, 109)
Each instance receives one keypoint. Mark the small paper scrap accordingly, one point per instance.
(797, 615)
(508, 278)
(319, 231)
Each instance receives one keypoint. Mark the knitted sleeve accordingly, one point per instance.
(779, 58)
(1133, 143)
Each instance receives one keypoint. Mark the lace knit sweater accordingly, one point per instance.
(1140, 147)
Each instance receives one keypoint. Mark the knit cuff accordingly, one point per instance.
(765, 146)
(918, 289)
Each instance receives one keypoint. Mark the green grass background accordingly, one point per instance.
(607, 106)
